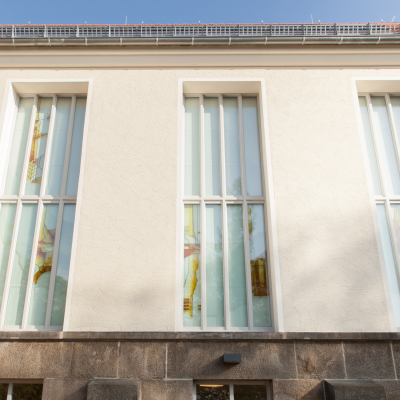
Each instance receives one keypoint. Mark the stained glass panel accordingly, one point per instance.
(43, 265)
(259, 267)
(38, 146)
(192, 275)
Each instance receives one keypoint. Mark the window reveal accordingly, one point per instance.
(226, 282)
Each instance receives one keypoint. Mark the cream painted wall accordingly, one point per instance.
(126, 256)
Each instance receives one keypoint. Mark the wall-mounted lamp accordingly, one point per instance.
(232, 358)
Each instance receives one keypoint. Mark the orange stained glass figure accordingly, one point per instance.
(34, 157)
(44, 255)
(191, 251)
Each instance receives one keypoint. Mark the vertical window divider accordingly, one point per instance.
(28, 146)
(371, 121)
(48, 148)
(10, 391)
(54, 265)
(225, 269)
(393, 128)
(245, 216)
(10, 263)
(202, 220)
(32, 265)
(7, 161)
(68, 147)
(247, 264)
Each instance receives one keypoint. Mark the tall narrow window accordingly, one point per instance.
(225, 274)
(380, 116)
(37, 211)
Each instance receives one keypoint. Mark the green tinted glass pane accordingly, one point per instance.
(236, 265)
(214, 266)
(27, 391)
(250, 392)
(76, 147)
(192, 146)
(20, 269)
(64, 257)
(7, 216)
(18, 147)
(208, 392)
(59, 141)
(3, 391)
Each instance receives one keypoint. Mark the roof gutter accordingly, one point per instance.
(200, 41)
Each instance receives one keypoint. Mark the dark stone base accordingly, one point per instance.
(164, 366)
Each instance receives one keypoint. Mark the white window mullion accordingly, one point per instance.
(28, 146)
(10, 391)
(202, 220)
(248, 268)
(222, 147)
(393, 128)
(11, 257)
(231, 394)
(379, 161)
(48, 147)
(7, 161)
(54, 265)
(224, 215)
(392, 236)
(32, 266)
(242, 154)
(68, 147)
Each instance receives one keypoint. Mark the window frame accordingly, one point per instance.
(228, 88)
(375, 200)
(62, 88)
(231, 384)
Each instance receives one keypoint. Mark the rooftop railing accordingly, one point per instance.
(198, 30)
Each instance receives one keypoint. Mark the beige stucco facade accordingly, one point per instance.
(331, 279)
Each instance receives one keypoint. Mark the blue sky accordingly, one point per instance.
(190, 11)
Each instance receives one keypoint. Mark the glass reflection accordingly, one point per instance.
(214, 266)
(25, 391)
(18, 147)
(217, 392)
(236, 265)
(250, 392)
